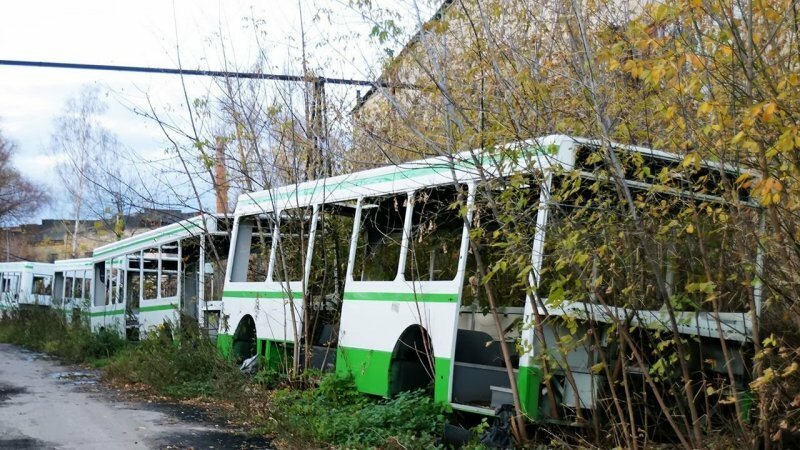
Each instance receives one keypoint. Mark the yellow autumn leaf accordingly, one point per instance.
(768, 111)
(705, 108)
(790, 370)
(743, 177)
(763, 379)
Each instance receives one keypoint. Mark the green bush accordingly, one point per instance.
(334, 413)
(44, 329)
(188, 365)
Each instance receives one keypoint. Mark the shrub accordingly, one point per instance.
(44, 329)
(334, 413)
(187, 366)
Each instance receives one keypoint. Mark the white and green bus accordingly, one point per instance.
(25, 283)
(372, 275)
(72, 287)
(158, 276)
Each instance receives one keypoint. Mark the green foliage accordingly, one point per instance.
(184, 367)
(334, 413)
(46, 330)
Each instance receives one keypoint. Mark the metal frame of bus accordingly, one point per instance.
(146, 257)
(17, 284)
(376, 314)
(72, 287)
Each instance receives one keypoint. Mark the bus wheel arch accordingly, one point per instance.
(412, 363)
(244, 339)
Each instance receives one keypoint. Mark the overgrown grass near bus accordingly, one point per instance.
(45, 330)
(334, 413)
(181, 363)
(178, 362)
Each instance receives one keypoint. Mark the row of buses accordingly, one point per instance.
(133, 284)
(374, 275)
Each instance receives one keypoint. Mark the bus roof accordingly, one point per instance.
(26, 266)
(391, 179)
(196, 226)
(62, 265)
(537, 154)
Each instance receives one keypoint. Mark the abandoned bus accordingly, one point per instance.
(158, 276)
(374, 276)
(25, 283)
(72, 287)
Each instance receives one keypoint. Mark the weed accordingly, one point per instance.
(187, 366)
(334, 413)
(45, 330)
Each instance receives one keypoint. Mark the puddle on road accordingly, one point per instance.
(7, 391)
(212, 440)
(204, 439)
(35, 356)
(187, 413)
(23, 444)
(76, 378)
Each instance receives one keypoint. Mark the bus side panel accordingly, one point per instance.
(270, 309)
(529, 385)
(368, 367)
(370, 330)
(109, 317)
(153, 314)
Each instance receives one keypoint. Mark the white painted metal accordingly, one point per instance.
(151, 312)
(21, 276)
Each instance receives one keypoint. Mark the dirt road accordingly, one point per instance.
(45, 405)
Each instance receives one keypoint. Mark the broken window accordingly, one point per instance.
(150, 274)
(253, 247)
(134, 288)
(113, 286)
(169, 278)
(436, 231)
(501, 241)
(331, 245)
(292, 244)
(77, 285)
(68, 281)
(328, 271)
(214, 280)
(380, 238)
(42, 285)
(87, 286)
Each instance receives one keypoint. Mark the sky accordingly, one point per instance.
(152, 33)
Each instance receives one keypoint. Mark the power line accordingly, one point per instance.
(189, 72)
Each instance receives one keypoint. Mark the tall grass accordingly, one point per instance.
(45, 330)
(178, 361)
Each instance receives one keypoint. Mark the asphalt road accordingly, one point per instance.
(45, 405)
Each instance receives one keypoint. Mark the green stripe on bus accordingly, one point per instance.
(180, 229)
(158, 307)
(322, 187)
(401, 297)
(370, 370)
(115, 312)
(442, 168)
(529, 384)
(260, 294)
